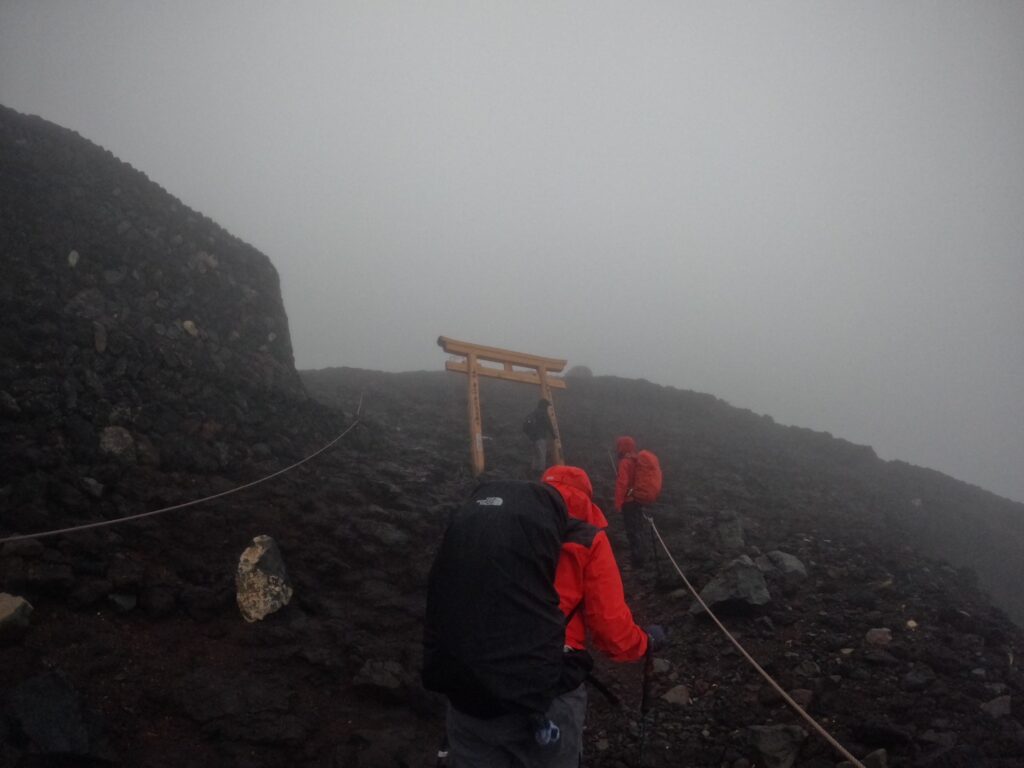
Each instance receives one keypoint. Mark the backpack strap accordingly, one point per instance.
(572, 614)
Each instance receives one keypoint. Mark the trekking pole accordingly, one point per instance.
(645, 702)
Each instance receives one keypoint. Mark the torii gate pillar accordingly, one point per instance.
(537, 370)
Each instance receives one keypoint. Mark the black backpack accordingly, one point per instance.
(531, 426)
(494, 635)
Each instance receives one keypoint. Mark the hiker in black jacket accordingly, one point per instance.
(537, 427)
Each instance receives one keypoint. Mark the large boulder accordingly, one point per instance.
(738, 587)
(777, 745)
(261, 581)
(579, 372)
(789, 565)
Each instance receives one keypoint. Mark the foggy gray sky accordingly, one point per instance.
(814, 210)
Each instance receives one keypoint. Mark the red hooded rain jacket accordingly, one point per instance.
(625, 447)
(587, 575)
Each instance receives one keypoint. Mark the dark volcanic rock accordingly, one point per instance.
(777, 745)
(47, 713)
(138, 334)
(739, 586)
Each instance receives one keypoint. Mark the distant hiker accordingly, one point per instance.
(537, 427)
(638, 483)
(516, 585)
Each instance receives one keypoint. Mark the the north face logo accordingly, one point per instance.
(491, 501)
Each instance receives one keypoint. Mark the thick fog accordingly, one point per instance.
(813, 210)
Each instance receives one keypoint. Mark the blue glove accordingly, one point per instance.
(657, 638)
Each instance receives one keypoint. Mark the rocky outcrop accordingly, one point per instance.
(138, 336)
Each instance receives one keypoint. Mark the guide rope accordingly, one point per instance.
(193, 502)
(768, 678)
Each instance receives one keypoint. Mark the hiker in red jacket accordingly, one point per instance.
(632, 511)
(587, 574)
(590, 587)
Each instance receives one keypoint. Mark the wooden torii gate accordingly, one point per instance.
(537, 372)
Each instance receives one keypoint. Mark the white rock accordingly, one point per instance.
(261, 581)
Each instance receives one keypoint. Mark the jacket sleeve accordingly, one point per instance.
(608, 618)
(624, 482)
(569, 581)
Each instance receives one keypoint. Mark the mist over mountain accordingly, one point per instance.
(146, 361)
(808, 210)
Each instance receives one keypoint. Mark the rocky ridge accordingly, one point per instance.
(819, 520)
(138, 334)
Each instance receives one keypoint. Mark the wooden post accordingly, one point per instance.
(476, 433)
(512, 369)
(545, 392)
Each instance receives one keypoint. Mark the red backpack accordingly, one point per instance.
(647, 478)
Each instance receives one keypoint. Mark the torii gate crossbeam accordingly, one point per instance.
(537, 370)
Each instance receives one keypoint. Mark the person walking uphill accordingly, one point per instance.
(513, 570)
(537, 427)
(588, 575)
(638, 482)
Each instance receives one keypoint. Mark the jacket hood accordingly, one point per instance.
(574, 477)
(624, 445)
(574, 486)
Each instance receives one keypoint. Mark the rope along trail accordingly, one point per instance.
(194, 502)
(768, 678)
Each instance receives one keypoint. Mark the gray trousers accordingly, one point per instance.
(508, 742)
(540, 455)
(633, 516)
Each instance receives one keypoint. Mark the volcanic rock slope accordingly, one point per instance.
(145, 362)
(928, 690)
(136, 333)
